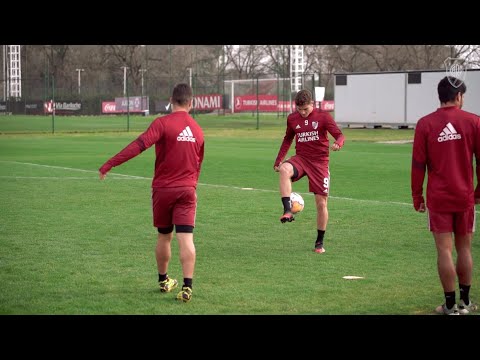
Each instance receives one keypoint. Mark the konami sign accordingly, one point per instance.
(207, 102)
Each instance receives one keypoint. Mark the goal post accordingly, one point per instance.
(273, 95)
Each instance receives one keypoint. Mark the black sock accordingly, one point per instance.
(319, 242)
(450, 299)
(187, 282)
(287, 206)
(162, 277)
(464, 293)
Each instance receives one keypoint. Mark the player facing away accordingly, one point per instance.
(445, 143)
(179, 152)
(310, 128)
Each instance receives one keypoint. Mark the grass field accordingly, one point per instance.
(71, 244)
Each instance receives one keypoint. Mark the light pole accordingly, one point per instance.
(146, 59)
(124, 80)
(79, 79)
(190, 76)
(146, 80)
(4, 66)
(142, 71)
(143, 100)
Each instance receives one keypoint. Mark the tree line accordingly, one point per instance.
(153, 69)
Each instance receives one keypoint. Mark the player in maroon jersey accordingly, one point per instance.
(445, 143)
(310, 127)
(179, 150)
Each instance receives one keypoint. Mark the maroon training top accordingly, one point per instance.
(445, 142)
(179, 149)
(311, 133)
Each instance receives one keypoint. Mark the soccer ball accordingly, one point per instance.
(297, 202)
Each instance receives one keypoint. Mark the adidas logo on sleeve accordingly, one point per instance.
(449, 133)
(186, 135)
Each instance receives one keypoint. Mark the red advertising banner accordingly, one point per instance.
(109, 107)
(327, 105)
(48, 106)
(249, 103)
(285, 106)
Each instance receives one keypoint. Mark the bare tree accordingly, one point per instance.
(244, 60)
(349, 58)
(383, 57)
(56, 55)
(211, 64)
(425, 57)
(277, 59)
(322, 59)
(131, 56)
(470, 53)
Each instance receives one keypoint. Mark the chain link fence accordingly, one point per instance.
(84, 95)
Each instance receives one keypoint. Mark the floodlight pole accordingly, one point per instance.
(142, 71)
(143, 100)
(124, 80)
(145, 103)
(146, 77)
(232, 100)
(79, 79)
(4, 66)
(190, 76)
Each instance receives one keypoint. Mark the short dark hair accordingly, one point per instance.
(182, 94)
(303, 97)
(449, 87)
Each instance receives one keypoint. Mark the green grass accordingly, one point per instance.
(72, 244)
(237, 125)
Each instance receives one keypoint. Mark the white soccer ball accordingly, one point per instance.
(297, 203)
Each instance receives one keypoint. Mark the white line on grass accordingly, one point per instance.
(73, 169)
(202, 184)
(45, 177)
(310, 194)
